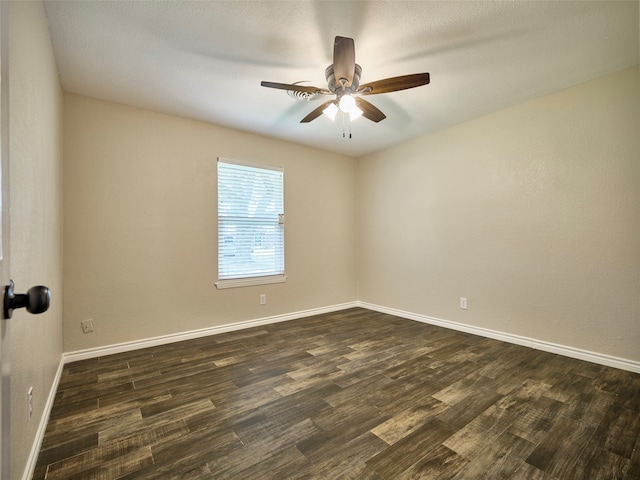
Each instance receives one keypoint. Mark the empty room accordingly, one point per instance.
(320, 240)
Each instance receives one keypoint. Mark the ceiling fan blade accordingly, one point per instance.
(344, 60)
(294, 88)
(394, 84)
(369, 110)
(316, 112)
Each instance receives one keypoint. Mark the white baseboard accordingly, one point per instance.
(594, 357)
(204, 332)
(42, 426)
(572, 352)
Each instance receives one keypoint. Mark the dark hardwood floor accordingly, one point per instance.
(349, 395)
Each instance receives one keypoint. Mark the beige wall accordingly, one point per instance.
(35, 151)
(533, 213)
(140, 236)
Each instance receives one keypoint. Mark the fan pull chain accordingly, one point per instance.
(344, 135)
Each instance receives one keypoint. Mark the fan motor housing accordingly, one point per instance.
(335, 87)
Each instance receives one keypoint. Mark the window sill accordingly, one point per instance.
(248, 282)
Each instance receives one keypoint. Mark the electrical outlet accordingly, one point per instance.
(87, 326)
(463, 303)
(30, 402)
(263, 299)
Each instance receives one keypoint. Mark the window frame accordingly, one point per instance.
(255, 279)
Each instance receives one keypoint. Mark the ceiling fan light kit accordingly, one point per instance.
(343, 81)
(347, 104)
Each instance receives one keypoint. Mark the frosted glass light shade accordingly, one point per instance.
(354, 113)
(348, 105)
(331, 111)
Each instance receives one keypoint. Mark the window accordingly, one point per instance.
(250, 224)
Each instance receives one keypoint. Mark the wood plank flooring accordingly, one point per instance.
(349, 395)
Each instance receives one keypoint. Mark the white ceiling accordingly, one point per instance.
(204, 60)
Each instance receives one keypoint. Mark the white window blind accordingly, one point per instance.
(250, 221)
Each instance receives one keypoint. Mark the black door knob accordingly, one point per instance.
(36, 300)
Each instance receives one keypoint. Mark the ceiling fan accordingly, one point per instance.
(343, 81)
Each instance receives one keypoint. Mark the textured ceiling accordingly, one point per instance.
(204, 60)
